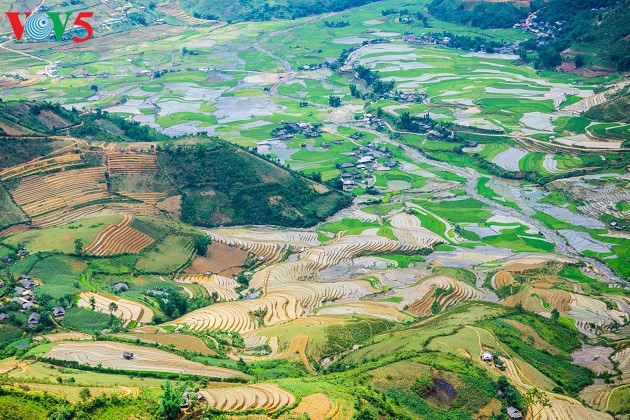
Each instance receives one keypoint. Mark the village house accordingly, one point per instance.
(514, 413)
(186, 401)
(33, 319)
(4, 317)
(487, 357)
(27, 283)
(58, 311)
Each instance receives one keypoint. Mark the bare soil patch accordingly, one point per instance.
(315, 405)
(220, 259)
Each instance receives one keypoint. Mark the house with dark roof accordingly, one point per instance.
(59, 311)
(24, 303)
(4, 317)
(127, 355)
(27, 283)
(33, 319)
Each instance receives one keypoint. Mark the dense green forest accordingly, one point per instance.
(480, 14)
(598, 28)
(257, 10)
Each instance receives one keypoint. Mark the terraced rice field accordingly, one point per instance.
(39, 194)
(36, 166)
(509, 159)
(214, 283)
(269, 397)
(130, 163)
(287, 296)
(146, 197)
(269, 245)
(119, 239)
(596, 395)
(180, 341)
(541, 300)
(110, 355)
(564, 408)
(586, 311)
(422, 297)
(128, 310)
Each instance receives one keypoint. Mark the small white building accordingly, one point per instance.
(487, 356)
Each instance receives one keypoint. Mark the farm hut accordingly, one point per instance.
(261, 258)
(120, 287)
(59, 311)
(127, 355)
(4, 317)
(33, 319)
(186, 401)
(200, 396)
(514, 413)
(487, 356)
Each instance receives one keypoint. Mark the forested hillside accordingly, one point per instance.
(481, 14)
(222, 184)
(241, 10)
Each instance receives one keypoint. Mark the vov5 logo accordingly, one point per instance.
(39, 26)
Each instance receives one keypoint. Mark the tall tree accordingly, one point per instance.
(169, 405)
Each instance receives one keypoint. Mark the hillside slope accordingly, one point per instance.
(241, 10)
(39, 119)
(209, 184)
